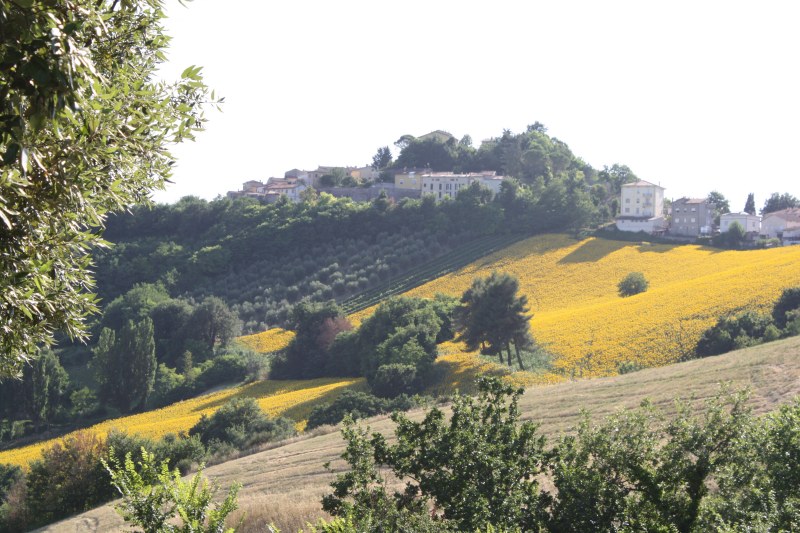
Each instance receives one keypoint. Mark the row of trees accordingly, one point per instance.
(395, 347)
(751, 327)
(482, 469)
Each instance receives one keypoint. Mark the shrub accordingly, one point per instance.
(393, 380)
(357, 405)
(241, 423)
(154, 498)
(68, 479)
(788, 301)
(633, 283)
(730, 333)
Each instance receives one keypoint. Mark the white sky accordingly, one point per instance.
(694, 95)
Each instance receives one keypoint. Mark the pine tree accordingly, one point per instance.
(750, 204)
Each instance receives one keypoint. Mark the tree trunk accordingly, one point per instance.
(519, 358)
(508, 350)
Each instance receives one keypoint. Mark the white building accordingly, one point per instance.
(776, 223)
(447, 184)
(641, 208)
(290, 187)
(750, 223)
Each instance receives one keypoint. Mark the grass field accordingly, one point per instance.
(284, 485)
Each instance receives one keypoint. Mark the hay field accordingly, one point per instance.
(284, 485)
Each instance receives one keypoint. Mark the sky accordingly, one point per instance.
(695, 96)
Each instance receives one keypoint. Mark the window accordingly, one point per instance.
(693, 220)
(694, 209)
(627, 200)
(627, 209)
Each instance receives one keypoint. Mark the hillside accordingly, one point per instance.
(285, 484)
(572, 291)
(571, 287)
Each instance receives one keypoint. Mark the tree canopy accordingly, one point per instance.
(84, 130)
(777, 202)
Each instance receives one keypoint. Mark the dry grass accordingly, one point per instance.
(284, 485)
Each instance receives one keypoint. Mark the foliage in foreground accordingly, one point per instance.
(722, 470)
(155, 498)
(84, 132)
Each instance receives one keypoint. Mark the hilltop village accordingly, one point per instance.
(642, 205)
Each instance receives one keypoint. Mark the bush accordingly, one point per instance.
(732, 333)
(788, 301)
(357, 405)
(242, 424)
(633, 283)
(68, 479)
(393, 380)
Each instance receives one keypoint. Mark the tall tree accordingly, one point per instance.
(493, 317)
(382, 158)
(750, 204)
(777, 202)
(85, 130)
(125, 365)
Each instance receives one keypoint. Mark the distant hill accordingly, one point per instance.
(284, 485)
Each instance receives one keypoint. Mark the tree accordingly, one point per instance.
(45, 383)
(493, 317)
(789, 301)
(777, 202)
(213, 322)
(84, 131)
(125, 365)
(633, 283)
(480, 467)
(750, 204)
(382, 158)
(241, 423)
(720, 205)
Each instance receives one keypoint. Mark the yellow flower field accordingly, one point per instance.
(294, 399)
(572, 290)
(271, 340)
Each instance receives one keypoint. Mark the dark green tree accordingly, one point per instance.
(789, 301)
(45, 385)
(212, 322)
(316, 326)
(492, 316)
(777, 202)
(750, 204)
(632, 283)
(382, 158)
(241, 423)
(125, 365)
(85, 130)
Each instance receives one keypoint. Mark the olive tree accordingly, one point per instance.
(84, 130)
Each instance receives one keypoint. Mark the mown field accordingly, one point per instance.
(571, 287)
(284, 485)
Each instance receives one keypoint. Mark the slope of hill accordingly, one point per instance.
(285, 484)
(571, 286)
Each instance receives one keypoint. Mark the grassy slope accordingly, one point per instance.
(285, 484)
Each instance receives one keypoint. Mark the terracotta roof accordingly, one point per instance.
(791, 214)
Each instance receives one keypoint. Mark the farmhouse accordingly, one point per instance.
(642, 208)
(776, 223)
(750, 223)
(272, 190)
(691, 217)
(448, 184)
